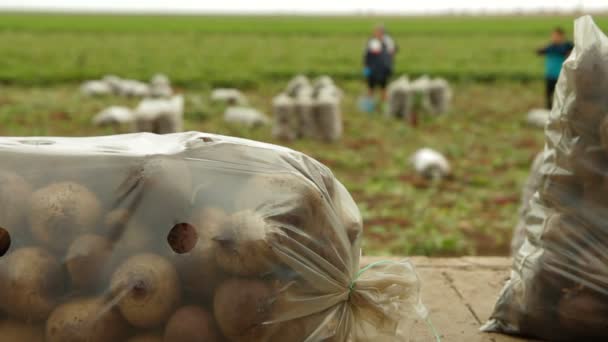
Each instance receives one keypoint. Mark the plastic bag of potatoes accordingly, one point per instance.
(186, 237)
(559, 283)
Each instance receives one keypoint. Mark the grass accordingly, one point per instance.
(252, 51)
(484, 136)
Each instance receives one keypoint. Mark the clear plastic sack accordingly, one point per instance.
(558, 288)
(530, 188)
(187, 237)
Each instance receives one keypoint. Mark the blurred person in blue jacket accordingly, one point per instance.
(378, 63)
(555, 55)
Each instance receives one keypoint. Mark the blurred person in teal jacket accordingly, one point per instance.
(555, 55)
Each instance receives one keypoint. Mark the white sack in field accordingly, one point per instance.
(246, 116)
(160, 116)
(160, 86)
(431, 164)
(296, 84)
(114, 115)
(95, 88)
(328, 117)
(304, 110)
(286, 121)
(133, 88)
(229, 96)
(399, 95)
(440, 96)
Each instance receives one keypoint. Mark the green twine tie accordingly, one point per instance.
(353, 283)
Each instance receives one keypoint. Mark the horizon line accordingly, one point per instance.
(195, 12)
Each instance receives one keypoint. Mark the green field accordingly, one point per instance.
(249, 51)
(491, 61)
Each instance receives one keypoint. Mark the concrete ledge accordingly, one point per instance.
(460, 294)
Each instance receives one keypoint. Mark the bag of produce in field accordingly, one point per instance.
(440, 96)
(559, 283)
(304, 109)
(286, 120)
(187, 237)
(399, 98)
(328, 117)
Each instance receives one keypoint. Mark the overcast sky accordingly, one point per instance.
(316, 6)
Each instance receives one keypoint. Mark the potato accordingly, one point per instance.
(296, 329)
(130, 236)
(348, 213)
(148, 289)
(563, 192)
(198, 268)
(11, 330)
(302, 210)
(589, 163)
(15, 195)
(161, 191)
(300, 329)
(62, 211)
(584, 314)
(289, 199)
(241, 306)
(548, 282)
(534, 306)
(116, 222)
(287, 303)
(562, 229)
(149, 337)
(85, 259)
(585, 116)
(594, 206)
(192, 324)
(86, 320)
(244, 245)
(30, 281)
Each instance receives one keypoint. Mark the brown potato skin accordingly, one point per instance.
(151, 337)
(241, 306)
(85, 260)
(62, 211)
(30, 280)
(165, 184)
(86, 320)
(11, 330)
(191, 324)
(198, 268)
(129, 236)
(583, 313)
(244, 245)
(148, 288)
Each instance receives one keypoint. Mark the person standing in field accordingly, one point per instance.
(555, 55)
(378, 63)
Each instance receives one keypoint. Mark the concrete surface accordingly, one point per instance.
(460, 294)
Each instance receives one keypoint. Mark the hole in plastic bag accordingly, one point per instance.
(5, 241)
(182, 238)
